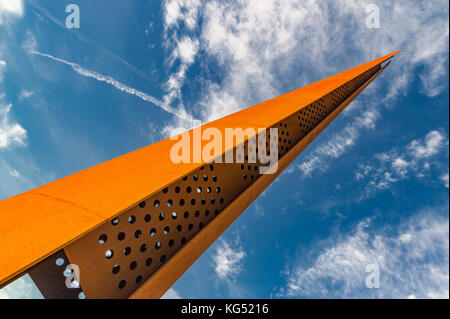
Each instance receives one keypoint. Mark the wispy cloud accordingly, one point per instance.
(180, 19)
(11, 132)
(338, 144)
(86, 39)
(413, 160)
(25, 94)
(412, 257)
(185, 11)
(444, 178)
(259, 50)
(14, 173)
(171, 294)
(10, 8)
(228, 259)
(22, 288)
(118, 85)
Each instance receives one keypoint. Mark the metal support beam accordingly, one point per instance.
(135, 224)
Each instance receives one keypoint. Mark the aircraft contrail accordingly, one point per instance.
(89, 41)
(120, 86)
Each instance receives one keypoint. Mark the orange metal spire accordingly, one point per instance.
(74, 218)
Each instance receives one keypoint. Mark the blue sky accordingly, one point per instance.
(371, 189)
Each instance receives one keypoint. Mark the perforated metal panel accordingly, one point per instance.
(119, 256)
(50, 276)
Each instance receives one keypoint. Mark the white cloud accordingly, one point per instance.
(430, 146)
(412, 259)
(184, 47)
(413, 160)
(30, 43)
(10, 8)
(171, 294)
(2, 69)
(176, 11)
(444, 178)
(14, 173)
(187, 49)
(22, 288)
(338, 144)
(25, 94)
(264, 47)
(228, 260)
(261, 44)
(11, 133)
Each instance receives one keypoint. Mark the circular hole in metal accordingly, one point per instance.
(133, 265)
(102, 239)
(127, 251)
(121, 236)
(59, 261)
(116, 269)
(109, 254)
(67, 272)
(122, 284)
